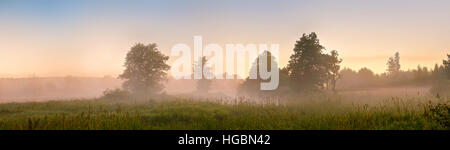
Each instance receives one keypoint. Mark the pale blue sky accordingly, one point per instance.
(91, 37)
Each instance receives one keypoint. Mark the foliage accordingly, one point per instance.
(438, 112)
(441, 78)
(394, 64)
(252, 86)
(422, 76)
(333, 66)
(446, 64)
(306, 67)
(145, 70)
(309, 68)
(116, 94)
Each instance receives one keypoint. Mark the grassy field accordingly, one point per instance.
(325, 112)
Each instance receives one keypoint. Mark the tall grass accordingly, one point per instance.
(186, 113)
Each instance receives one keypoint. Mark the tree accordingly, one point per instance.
(446, 64)
(252, 86)
(366, 77)
(397, 61)
(421, 75)
(348, 78)
(441, 86)
(394, 64)
(442, 71)
(203, 85)
(333, 68)
(145, 70)
(308, 67)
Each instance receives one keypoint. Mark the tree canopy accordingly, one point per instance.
(309, 67)
(252, 86)
(394, 64)
(145, 70)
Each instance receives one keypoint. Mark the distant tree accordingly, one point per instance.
(421, 75)
(366, 76)
(397, 61)
(252, 86)
(308, 67)
(333, 68)
(441, 75)
(438, 73)
(391, 65)
(348, 77)
(435, 72)
(285, 86)
(203, 84)
(446, 64)
(145, 70)
(366, 73)
(394, 64)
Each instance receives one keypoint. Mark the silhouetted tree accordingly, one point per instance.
(333, 66)
(308, 67)
(446, 64)
(348, 78)
(438, 73)
(441, 75)
(252, 86)
(203, 84)
(421, 75)
(394, 64)
(145, 70)
(366, 76)
(358, 79)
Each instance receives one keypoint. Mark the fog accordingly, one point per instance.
(67, 88)
(53, 88)
(188, 86)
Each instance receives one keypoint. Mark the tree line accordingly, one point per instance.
(421, 76)
(310, 69)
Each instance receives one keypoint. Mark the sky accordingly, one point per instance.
(91, 37)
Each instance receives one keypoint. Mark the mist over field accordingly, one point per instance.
(417, 82)
(66, 88)
(53, 88)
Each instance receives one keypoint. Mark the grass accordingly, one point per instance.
(416, 113)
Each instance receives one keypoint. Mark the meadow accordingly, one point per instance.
(335, 112)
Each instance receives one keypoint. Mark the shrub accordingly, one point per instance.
(438, 112)
(116, 94)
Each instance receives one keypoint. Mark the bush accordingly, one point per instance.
(116, 94)
(438, 112)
